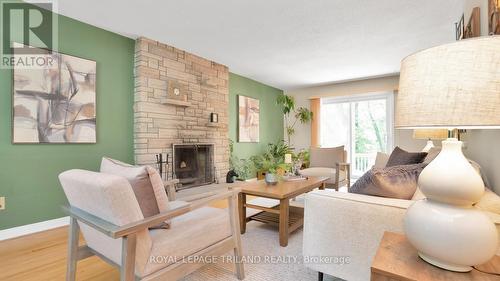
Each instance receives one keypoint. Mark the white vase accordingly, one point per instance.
(271, 179)
(445, 229)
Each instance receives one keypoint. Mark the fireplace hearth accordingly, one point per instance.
(193, 164)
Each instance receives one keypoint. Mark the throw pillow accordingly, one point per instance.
(381, 160)
(403, 157)
(432, 154)
(326, 157)
(489, 202)
(394, 182)
(146, 184)
(418, 195)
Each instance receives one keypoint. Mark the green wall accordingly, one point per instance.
(28, 173)
(271, 118)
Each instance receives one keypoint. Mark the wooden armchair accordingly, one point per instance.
(332, 163)
(105, 209)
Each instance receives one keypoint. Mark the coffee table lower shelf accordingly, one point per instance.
(295, 218)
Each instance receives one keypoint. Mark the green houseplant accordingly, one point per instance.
(245, 168)
(292, 115)
(271, 162)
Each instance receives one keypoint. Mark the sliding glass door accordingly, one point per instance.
(362, 123)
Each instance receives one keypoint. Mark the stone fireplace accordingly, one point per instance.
(161, 125)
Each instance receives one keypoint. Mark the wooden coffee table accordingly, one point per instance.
(287, 217)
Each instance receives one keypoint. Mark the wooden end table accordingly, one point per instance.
(288, 218)
(397, 259)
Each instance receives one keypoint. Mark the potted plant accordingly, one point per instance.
(273, 166)
(244, 168)
(292, 115)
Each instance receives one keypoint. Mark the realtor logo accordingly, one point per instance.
(28, 33)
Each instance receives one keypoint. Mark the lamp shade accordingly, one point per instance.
(453, 86)
(429, 134)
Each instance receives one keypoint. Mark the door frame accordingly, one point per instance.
(387, 95)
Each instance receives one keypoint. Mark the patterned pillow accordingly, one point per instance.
(393, 182)
(403, 157)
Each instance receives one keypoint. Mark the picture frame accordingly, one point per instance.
(248, 119)
(56, 104)
(493, 17)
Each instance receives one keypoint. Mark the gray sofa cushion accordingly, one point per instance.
(393, 182)
(403, 157)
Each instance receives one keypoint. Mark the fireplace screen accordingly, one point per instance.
(193, 164)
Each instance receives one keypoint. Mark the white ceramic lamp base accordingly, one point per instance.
(445, 229)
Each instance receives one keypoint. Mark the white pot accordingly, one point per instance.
(445, 229)
(450, 178)
(451, 237)
(271, 179)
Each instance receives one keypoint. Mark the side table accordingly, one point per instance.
(396, 259)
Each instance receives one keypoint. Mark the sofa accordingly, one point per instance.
(348, 226)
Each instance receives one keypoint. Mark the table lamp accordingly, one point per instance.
(430, 135)
(453, 86)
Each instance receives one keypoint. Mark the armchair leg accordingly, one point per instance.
(235, 226)
(127, 269)
(74, 232)
(240, 270)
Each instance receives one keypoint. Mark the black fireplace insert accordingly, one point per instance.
(193, 164)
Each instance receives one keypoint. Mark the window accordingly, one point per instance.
(362, 123)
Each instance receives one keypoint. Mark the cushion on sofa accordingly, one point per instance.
(490, 202)
(326, 157)
(393, 182)
(381, 160)
(432, 154)
(403, 157)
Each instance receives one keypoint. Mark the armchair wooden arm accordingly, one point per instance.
(342, 166)
(115, 231)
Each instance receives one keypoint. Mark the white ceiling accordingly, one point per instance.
(284, 43)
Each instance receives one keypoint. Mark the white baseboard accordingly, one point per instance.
(32, 228)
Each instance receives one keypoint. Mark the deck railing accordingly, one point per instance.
(363, 162)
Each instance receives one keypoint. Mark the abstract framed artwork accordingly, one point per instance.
(55, 103)
(248, 119)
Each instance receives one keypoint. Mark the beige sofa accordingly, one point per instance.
(349, 226)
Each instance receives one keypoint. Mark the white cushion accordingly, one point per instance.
(323, 172)
(191, 233)
(381, 160)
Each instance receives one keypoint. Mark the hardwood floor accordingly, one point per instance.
(42, 256)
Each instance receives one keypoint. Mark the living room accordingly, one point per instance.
(221, 140)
